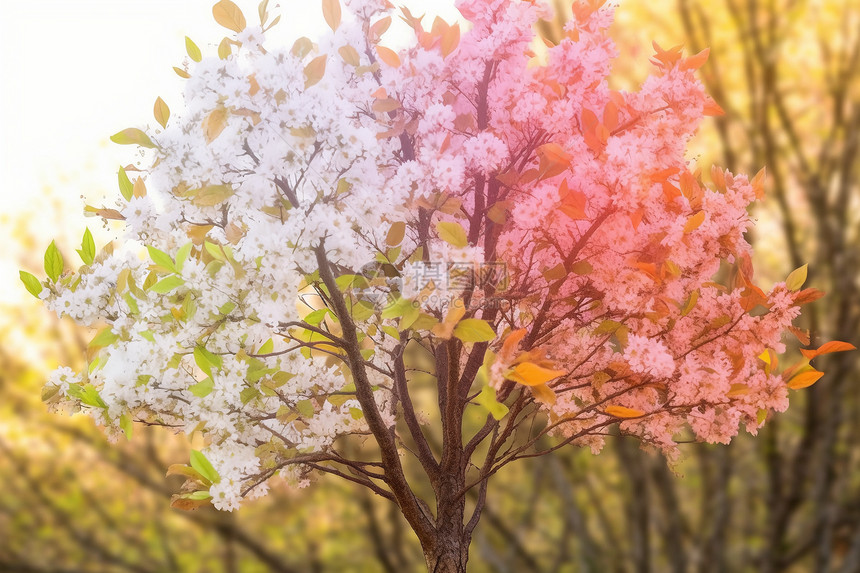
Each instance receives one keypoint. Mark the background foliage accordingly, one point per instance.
(787, 72)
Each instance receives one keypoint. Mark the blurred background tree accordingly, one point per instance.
(787, 72)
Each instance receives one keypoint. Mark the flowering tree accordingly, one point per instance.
(448, 252)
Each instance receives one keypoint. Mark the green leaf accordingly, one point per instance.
(204, 467)
(31, 283)
(147, 334)
(474, 330)
(132, 304)
(193, 50)
(161, 258)
(227, 307)
(126, 187)
(487, 399)
(316, 317)
(88, 248)
(87, 394)
(53, 262)
(202, 388)
(182, 255)
(305, 408)
(206, 360)
(197, 495)
(398, 308)
(248, 394)
(267, 347)
(132, 136)
(796, 278)
(105, 337)
(167, 284)
(215, 250)
(452, 233)
(125, 424)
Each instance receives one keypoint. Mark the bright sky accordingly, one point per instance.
(76, 72)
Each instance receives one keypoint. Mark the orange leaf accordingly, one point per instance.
(214, 123)
(450, 40)
(695, 62)
(388, 56)
(331, 13)
(802, 335)
(378, 28)
(712, 108)
(255, 87)
(314, 71)
(530, 374)
(694, 222)
(554, 160)
(758, 183)
(229, 15)
(718, 176)
(509, 346)
(623, 412)
(805, 379)
(807, 295)
(572, 202)
(827, 348)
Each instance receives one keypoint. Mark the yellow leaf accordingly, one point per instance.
(139, 189)
(331, 13)
(212, 195)
(395, 233)
(530, 374)
(474, 330)
(132, 136)
(302, 47)
(694, 222)
(623, 412)
(181, 73)
(796, 278)
(452, 233)
(544, 394)
(224, 50)
(161, 112)
(805, 379)
(388, 56)
(314, 71)
(350, 55)
(445, 329)
(229, 15)
(738, 390)
(214, 123)
(192, 49)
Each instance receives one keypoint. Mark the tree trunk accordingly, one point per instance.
(448, 550)
(448, 554)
